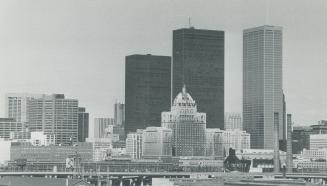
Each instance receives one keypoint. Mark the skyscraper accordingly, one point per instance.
(147, 90)
(262, 84)
(198, 62)
(83, 124)
(54, 115)
(100, 125)
(188, 126)
(119, 114)
(233, 121)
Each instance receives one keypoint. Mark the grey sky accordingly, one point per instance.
(77, 47)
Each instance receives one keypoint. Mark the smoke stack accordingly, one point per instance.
(289, 154)
(276, 142)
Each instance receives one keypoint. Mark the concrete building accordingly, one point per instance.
(83, 124)
(157, 143)
(54, 115)
(233, 121)
(119, 117)
(16, 105)
(262, 84)
(134, 144)
(100, 125)
(100, 147)
(301, 138)
(198, 62)
(5, 146)
(215, 143)
(41, 139)
(315, 154)
(318, 141)
(147, 90)
(236, 139)
(8, 125)
(188, 126)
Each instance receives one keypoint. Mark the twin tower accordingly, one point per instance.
(152, 82)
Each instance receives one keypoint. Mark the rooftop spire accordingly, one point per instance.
(184, 89)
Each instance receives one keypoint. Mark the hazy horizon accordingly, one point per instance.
(78, 48)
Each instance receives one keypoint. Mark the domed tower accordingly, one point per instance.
(187, 124)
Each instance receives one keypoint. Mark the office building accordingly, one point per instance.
(318, 141)
(134, 144)
(262, 84)
(83, 124)
(119, 116)
(16, 105)
(5, 146)
(215, 143)
(233, 121)
(235, 139)
(147, 90)
(198, 62)
(157, 143)
(8, 125)
(54, 115)
(100, 125)
(320, 128)
(188, 126)
(101, 146)
(289, 162)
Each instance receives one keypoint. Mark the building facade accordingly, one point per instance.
(100, 125)
(54, 115)
(233, 121)
(198, 62)
(134, 144)
(318, 141)
(215, 143)
(119, 117)
(262, 84)
(157, 143)
(83, 124)
(147, 90)
(188, 126)
(9, 125)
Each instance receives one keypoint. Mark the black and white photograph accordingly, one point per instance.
(163, 93)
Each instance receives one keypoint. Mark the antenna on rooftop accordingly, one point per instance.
(189, 22)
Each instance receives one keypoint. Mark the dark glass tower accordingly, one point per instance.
(147, 90)
(83, 124)
(198, 62)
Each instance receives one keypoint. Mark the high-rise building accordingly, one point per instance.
(233, 121)
(54, 115)
(100, 125)
(262, 84)
(198, 62)
(119, 114)
(215, 143)
(188, 126)
(147, 90)
(9, 125)
(134, 144)
(157, 143)
(236, 139)
(83, 124)
(16, 105)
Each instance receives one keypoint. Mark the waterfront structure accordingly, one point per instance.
(54, 115)
(233, 121)
(119, 116)
(134, 144)
(318, 141)
(198, 62)
(156, 143)
(188, 126)
(16, 105)
(8, 125)
(51, 153)
(100, 125)
(83, 124)
(262, 84)
(147, 90)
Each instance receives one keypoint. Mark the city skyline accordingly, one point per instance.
(43, 65)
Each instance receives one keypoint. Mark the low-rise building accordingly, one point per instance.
(318, 141)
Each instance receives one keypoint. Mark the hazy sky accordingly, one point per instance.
(77, 47)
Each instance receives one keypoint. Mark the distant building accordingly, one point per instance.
(233, 121)
(83, 124)
(198, 62)
(215, 143)
(100, 125)
(8, 125)
(320, 128)
(51, 153)
(157, 143)
(134, 143)
(236, 139)
(262, 84)
(20, 135)
(54, 115)
(318, 141)
(16, 105)
(5, 146)
(41, 139)
(100, 147)
(301, 138)
(188, 126)
(147, 90)
(315, 154)
(119, 116)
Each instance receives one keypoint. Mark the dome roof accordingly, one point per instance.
(184, 99)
